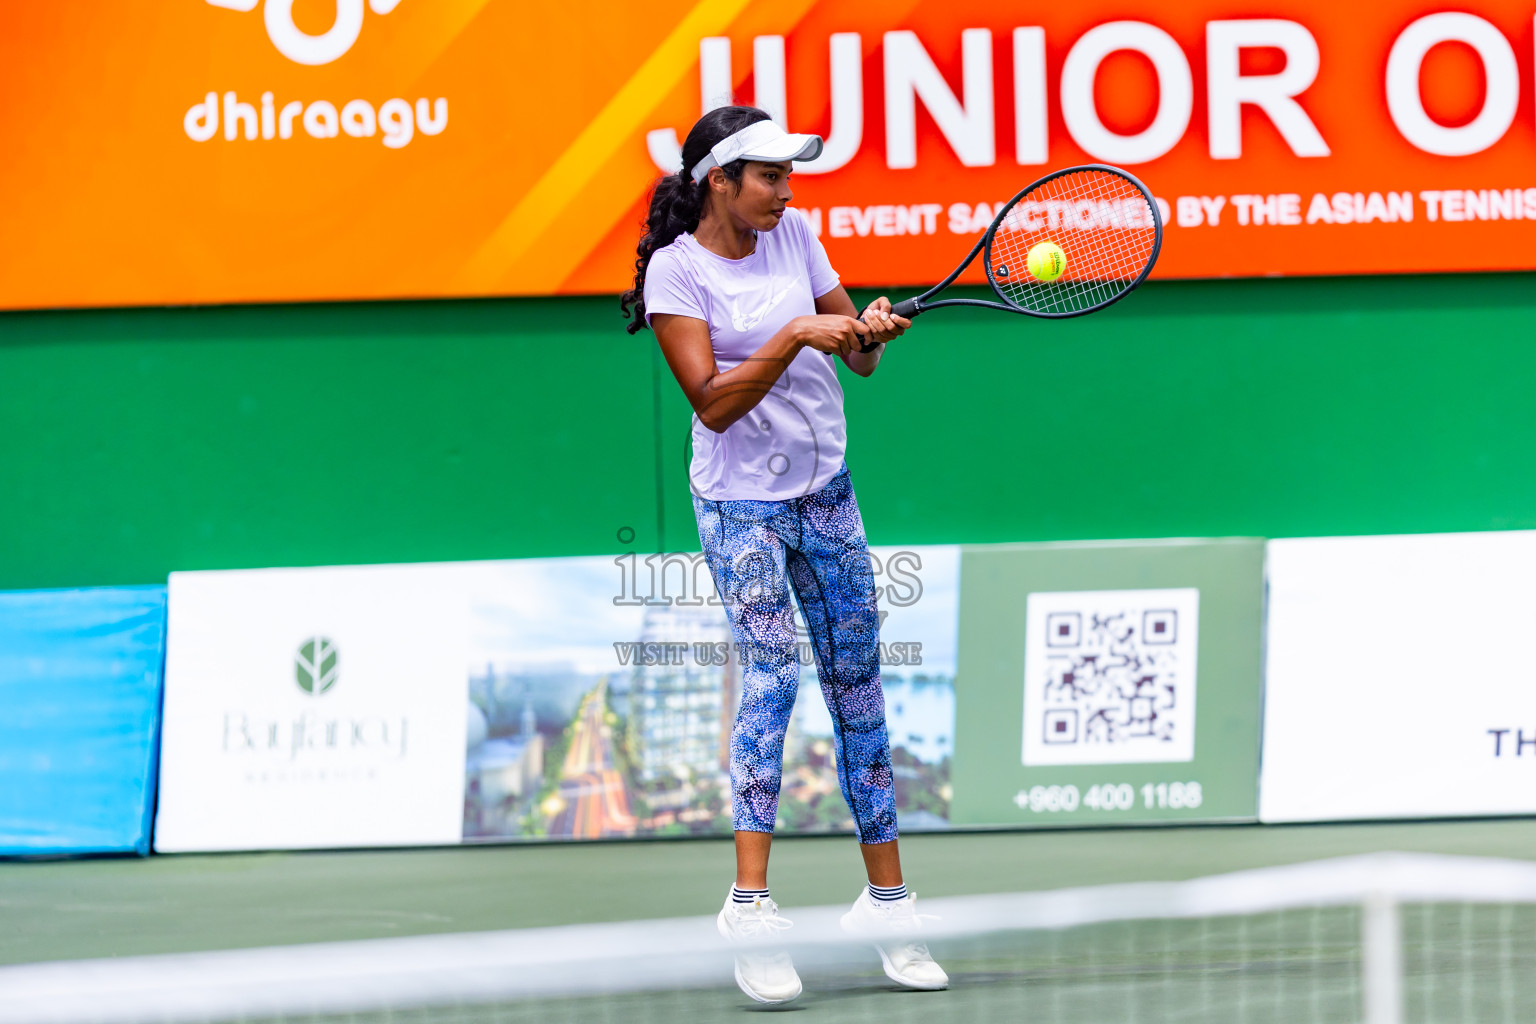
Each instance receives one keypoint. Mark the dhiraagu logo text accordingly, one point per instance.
(315, 665)
(396, 120)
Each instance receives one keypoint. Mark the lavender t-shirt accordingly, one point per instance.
(793, 440)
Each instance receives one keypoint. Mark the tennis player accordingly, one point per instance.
(751, 319)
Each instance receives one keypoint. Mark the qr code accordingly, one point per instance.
(1109, 676)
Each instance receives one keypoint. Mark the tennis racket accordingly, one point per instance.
(1107, 226)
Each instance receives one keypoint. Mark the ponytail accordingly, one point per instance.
(677, 201)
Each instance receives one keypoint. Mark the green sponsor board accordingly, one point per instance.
(1108, 683)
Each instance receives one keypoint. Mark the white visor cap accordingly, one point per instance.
(761, 140)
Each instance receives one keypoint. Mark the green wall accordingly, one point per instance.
(140, 441)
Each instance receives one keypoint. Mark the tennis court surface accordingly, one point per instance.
(1276, 926)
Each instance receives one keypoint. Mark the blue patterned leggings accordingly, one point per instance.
(757, 551)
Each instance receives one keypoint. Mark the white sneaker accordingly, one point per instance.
(768, 977)
(894, 926)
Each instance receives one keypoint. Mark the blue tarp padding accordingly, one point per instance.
(79, 718)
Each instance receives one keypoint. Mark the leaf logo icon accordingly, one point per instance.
(315, 666)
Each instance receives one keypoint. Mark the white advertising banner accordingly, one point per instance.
(314, 707)
(541, 698)
(1398, 679)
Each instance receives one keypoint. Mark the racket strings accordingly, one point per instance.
(1105, 227)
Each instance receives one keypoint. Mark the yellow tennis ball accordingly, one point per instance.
(1047, 261)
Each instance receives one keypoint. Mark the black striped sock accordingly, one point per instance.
(887, 894)
(740, 895)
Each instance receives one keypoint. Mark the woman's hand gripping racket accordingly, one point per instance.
(1073, 242)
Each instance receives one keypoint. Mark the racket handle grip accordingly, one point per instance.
(907, 308)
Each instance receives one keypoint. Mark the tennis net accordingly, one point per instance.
(1379, 939)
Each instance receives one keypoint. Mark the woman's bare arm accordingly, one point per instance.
(721, 399)
(882, 323)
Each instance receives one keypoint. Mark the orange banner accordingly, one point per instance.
(188, 151)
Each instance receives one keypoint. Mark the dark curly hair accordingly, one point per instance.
(677, 201)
